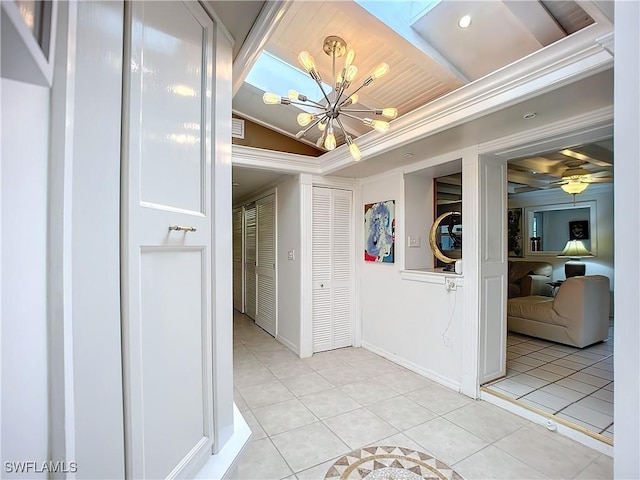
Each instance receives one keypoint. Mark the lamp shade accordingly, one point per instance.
(575, 249)
(574, 186)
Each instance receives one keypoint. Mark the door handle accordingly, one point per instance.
(179, 228)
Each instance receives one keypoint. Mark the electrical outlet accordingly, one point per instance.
(413, 241)
(450, 284)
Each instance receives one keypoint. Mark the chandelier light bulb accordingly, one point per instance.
(352, 71)
(390, 112)
(270, 98)
(306, 61)
(322, 126)
(305, 119)
(293, 95)
(330, 141)
(380, 70)
(355, 152)
(378, 125)
(351, 55)
(354, 98)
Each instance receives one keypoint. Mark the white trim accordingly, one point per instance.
(288, 343)
(218, 23)
(534, 417)
(306, 265)
(341, 183)
(425, 372)
(268, 19)
(607, 42)
(259, 158)
(255, 196)
(436, 278)
(223, 465)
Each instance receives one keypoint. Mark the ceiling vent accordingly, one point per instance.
(237, 128)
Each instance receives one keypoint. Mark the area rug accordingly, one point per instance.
(389, 463)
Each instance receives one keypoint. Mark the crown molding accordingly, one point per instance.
(559, 64)
(284, 162)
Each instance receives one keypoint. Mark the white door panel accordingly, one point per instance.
(166, 274)
(238, 259)
(266, 264)
(250, 261)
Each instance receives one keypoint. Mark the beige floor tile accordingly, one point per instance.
(262, 461)
(520, 367)
(398, 440)
(276, 356)
(439, 399)
(530, 381)
(493, 463)
(538, 406)
(251, 375)
(560, 370)
(284, 416)
(577, 385)
(548, 400)
(401, 412)
(597, 404)
(308, 446)
(239, 401)
(264, 394)
(563, 362)
(549, 453)
(324, 361)
(601, 468)
(404, 382)
(359, 428)
(318, 472)
(598, 372)
(257, 432)
(291, 368)
(368, 391)
(534, 362)
(329, 403)
(445, 440)
(544, 374)
(306, 384)
(485, 421)
(590, 379)
(588, 415)
(562, 392)
(343, 375)
(512, 385)
(602, 394)
(352, 354)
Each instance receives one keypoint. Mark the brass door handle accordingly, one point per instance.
(179, 228)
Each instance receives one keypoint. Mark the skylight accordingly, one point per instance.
(270, 74)
(398, 15)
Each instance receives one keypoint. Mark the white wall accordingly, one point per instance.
(414, 323)
(25, 137)
(602, 264)
(418, 217)
(289, 271)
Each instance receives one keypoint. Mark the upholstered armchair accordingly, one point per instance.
(529, 278)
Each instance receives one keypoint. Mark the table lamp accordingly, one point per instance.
(574, 250)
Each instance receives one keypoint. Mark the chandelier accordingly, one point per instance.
(335, 103)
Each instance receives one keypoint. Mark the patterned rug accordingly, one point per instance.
(389, 463)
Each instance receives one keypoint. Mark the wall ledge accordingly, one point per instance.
(431, 275)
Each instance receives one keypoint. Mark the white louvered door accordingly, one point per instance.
(332, 269)
(266, 264)
(250, 261)
(238, 254)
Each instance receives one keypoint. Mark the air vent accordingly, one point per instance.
(237, 128)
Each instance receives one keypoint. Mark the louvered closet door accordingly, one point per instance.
(332, 269)
(238, 304)
(266, 264)
(250, 261)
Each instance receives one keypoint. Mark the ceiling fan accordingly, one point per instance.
(575, 178)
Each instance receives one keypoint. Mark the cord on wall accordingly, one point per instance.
(445, 337)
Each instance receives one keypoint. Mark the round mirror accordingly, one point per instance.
(445, 237)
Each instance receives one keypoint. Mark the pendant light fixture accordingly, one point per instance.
(335, 103)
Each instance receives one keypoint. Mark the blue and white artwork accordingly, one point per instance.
(379, 231)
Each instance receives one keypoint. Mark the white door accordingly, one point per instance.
(238, 255)
(266, 264)
(493, 268)
(332, 266)
(250, 261)
(166, 229)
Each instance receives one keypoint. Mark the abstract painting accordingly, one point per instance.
(514, 228)
(379, 231)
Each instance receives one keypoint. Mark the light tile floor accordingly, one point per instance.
(571, 383)
(305, 414)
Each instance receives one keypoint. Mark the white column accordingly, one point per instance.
(627, 256)
(306, 305)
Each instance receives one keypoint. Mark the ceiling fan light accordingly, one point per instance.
(574, 187)
(271, 98)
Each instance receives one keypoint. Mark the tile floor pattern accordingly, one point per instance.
(306, 414)
(571, 383)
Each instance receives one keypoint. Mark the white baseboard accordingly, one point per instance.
(289, 344)
(425, 372)
(224, 464)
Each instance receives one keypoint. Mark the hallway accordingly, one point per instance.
(304, 414)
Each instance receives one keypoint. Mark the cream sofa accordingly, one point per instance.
(577, 316)
(529, 278)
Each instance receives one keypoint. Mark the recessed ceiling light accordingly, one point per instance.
(464, 21)
(408, 155)
(529, 116)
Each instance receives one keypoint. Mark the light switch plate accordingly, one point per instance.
(291, 255)
(413, 242)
